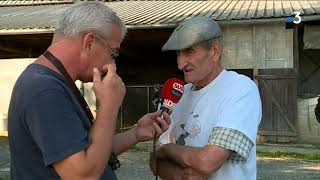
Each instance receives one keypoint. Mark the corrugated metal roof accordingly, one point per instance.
(146, 14)
(33, 2)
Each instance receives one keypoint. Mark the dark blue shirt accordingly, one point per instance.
(46, 124)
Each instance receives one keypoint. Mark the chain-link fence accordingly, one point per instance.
(136, 103)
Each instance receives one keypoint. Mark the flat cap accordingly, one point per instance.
(192, 31)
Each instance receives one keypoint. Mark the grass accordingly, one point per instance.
(145, 147)
(290, 155)
(5, 178)
(140, 147)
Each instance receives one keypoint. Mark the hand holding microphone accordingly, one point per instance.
(171, 93)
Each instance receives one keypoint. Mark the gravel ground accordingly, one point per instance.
(4, 159)
(135, 167)
(280, 169)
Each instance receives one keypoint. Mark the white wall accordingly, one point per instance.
(10, 69)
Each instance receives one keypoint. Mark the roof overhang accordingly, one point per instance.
(165, 26)
(26, 31)
(40, 18)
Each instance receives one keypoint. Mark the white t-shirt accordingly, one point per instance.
(229, 101)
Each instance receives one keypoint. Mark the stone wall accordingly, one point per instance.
(308, 126)
(260, 46)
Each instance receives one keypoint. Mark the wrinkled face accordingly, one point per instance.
(197, 64)
(102, 51)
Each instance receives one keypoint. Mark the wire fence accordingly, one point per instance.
(136, 103)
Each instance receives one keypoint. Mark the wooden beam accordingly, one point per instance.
(13, 50)
(296, 49)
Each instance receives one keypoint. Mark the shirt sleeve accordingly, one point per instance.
(237, 124)
(55, 126)
(242, 112)
(234, 140)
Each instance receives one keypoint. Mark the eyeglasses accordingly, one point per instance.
(114, 53)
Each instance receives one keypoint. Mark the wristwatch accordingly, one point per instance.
(114, 161)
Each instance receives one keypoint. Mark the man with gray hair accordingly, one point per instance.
(52, 134)
(214, 125)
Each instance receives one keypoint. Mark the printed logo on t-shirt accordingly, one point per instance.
(184, 134)
(189, 130)
(196, 129)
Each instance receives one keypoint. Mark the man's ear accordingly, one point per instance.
(216, 50)
(88, 41)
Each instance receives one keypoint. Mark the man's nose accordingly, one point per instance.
(181, 62)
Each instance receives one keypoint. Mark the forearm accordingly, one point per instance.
(202, 160)
(179, 154)
(124, 141)
(101, 135)
(168, 170)
(90, 163)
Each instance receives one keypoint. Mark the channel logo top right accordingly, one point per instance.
(296, 19)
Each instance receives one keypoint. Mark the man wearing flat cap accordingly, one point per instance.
(214, 126)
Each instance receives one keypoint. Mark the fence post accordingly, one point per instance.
(148, 98)
(82, 88)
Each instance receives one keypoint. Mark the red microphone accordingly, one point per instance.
(172, 91)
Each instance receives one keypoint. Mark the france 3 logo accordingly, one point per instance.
(296, 19)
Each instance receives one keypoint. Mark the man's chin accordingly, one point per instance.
(187, 80)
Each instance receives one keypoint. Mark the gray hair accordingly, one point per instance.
(207, 44)
(83, 17)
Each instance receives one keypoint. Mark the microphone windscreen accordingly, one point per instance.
(173, 90)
